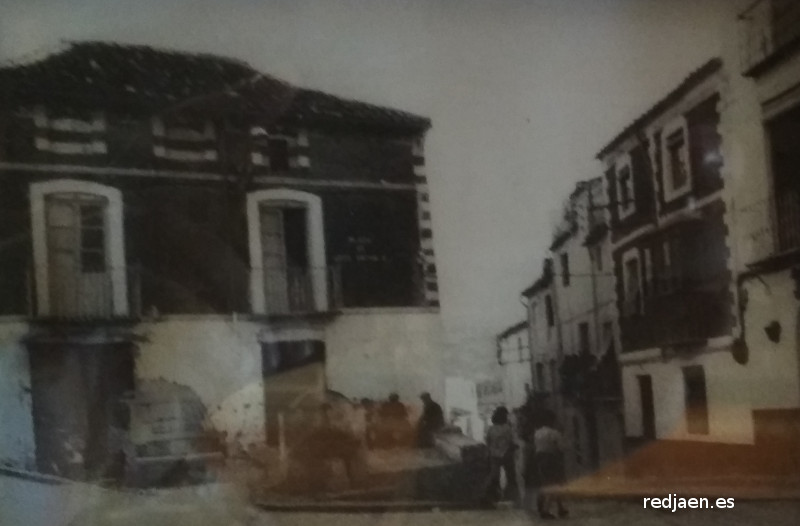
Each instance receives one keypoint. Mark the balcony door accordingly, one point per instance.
(79, 282)
(784, 134)
(284, 258)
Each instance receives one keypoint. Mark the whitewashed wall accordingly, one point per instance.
(515, 355)
(369, 353)
(461, 398)
(543, 339)
(374, 352)
(577, 301)
(774, 370)
(219, 359)
(17, 446)
(774, 367)
(733, 391)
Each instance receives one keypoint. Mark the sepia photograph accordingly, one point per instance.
(401, 262)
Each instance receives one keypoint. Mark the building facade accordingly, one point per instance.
(545, 346)
(514, 356)
(672, 263)
(761, 140)
(703, 223)
(586, 319)
(177, 223)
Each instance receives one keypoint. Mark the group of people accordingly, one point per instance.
(543, 461)
(388, 424)
(342, 430)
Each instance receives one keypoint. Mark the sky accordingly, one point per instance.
(522, 94)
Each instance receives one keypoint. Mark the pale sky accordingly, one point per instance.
(522, 94)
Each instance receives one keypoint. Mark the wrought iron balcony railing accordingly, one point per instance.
(684, 316)
(74, 295)
(131, 292)
(295, 290)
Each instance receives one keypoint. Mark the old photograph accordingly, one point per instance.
(424, 262)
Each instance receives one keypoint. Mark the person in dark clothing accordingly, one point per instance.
(501, 448)
(431, 421)
(548, 444)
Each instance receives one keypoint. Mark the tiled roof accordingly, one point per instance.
(689, 83)
(544, 280)
(513, 329)
(561, 236)
(136, 76)
(570, 227)
(311, 106)
(130, 75)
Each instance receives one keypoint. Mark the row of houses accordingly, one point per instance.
(190, 245)
(667, 309)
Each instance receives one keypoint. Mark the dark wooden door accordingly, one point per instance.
(648, 409)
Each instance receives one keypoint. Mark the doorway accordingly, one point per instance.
(293, 373)
(77, 392)
(79, 280)
(284, 258)
(648, 408)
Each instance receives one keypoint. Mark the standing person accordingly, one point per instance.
(548, 444)
(501, 446)
(431, 421)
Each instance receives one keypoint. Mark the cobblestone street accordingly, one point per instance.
(585, 513)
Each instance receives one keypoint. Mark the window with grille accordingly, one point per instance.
(625, 191)
(632, 284)
(675, 157)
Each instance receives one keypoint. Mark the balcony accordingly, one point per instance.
(295, 291)
(683, 318)
(770, 29)
(111, 294)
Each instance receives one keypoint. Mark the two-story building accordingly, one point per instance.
(184, 223)
(514, 357)
(544, 339)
